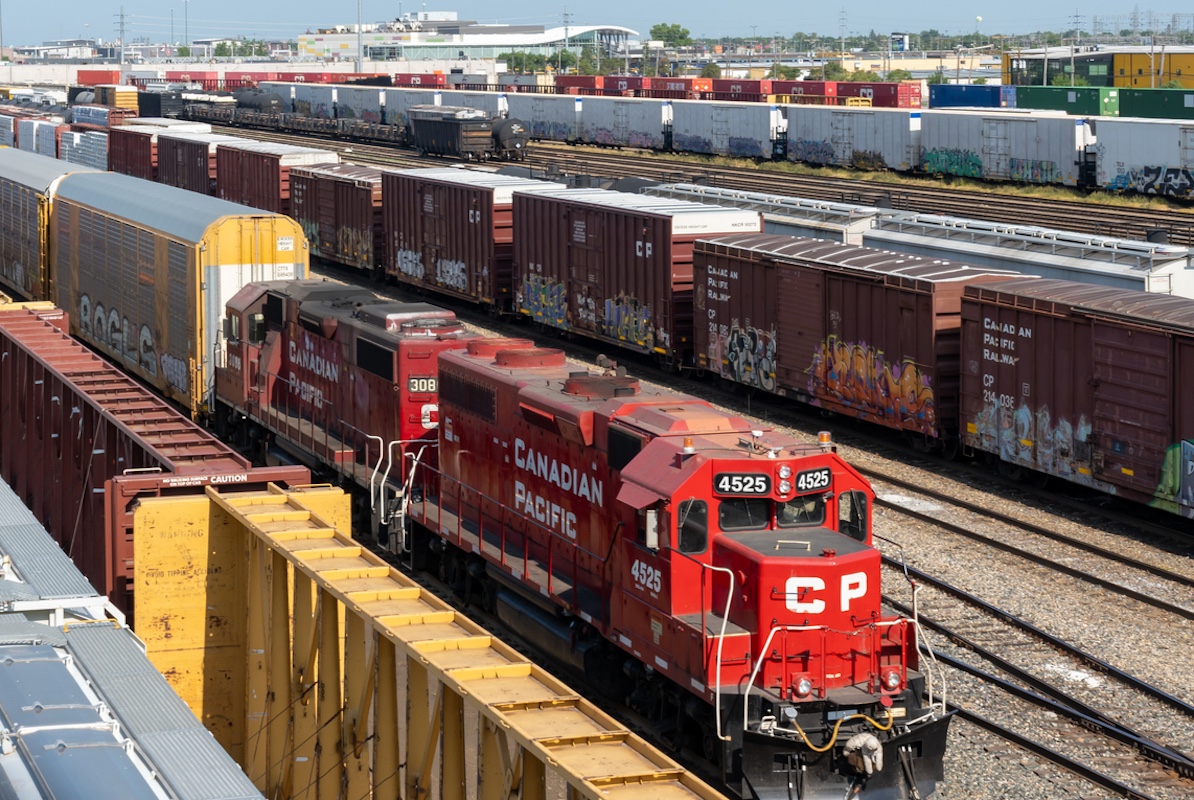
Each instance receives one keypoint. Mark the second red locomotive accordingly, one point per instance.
(719, 576)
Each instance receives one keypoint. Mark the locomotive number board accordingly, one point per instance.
(813, 480)
(748, 483)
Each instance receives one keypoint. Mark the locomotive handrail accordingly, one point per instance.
(754, 674)
(721, 637)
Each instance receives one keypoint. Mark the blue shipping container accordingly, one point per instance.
(953, 95)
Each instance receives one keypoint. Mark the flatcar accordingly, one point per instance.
(719, 576)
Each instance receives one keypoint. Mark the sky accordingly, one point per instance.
(32, 23)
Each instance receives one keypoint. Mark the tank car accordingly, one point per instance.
(719, 577)
(336, 378)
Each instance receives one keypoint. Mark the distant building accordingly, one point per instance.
(1140, 67)
(440, 35)
(60, 50)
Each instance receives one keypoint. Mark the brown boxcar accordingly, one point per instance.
(257, 174)
(1087, 383)
(188, 160)
(133, 150)
(452, 231)
(83, 442)
(614, 266)
(339, 209)
(867, 333)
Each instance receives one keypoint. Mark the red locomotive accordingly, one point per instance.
(336, 378)
(720, 577)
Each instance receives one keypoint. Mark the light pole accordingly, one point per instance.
(186, 24)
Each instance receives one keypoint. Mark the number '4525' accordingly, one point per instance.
(647, 577)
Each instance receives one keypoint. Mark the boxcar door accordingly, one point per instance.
(1133, 371)
(1183, 446)
(800, 336)
(996, 161)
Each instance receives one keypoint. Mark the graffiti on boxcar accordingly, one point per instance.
(546, 300)
(1030, 170)
(646, 140)
(108, 328)
(1175, 492)
(355, 244)
(951, 161)
(1167, 181)
(814, 151)
(629, 320)
(1035, 439)
(311, 231)
(868, 159)
(692, 143)
(410, 263)
(861, 377)
(746, 147)
(452, 273)
(748, 355)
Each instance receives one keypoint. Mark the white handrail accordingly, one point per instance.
(725, 618)
(758, 664)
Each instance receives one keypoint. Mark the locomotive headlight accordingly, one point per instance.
(803, 687)
(785, 487)
(891, 680)
(785, 471)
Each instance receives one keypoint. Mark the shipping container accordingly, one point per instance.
(257, 174)
(613, 266)
(451, 231)
(626, 122)
(817, 92)
(515, 82)
(188, 160)
(1085, 383)
(359, 102)
(98, 442)
(633, 84)
(866, 333)
(745, 130)
(338, 207)
(580, 84)
(1045, 252)
(1096, 101)
(1149, 156)
(473, 81)
(883, 95)
(145, 270)
(1157, 103)
(1042, 147)
(860, 138)
(28, 184)
(966, 95)
(398, 103)
(431, 80)
(117, 96)
(97, 77)
(549, 117)
(160, 104)
(755, 91)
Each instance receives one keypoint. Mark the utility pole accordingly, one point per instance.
(360, 41)
(120, 17)
(186, 25)
(841, 22)
(567, 19)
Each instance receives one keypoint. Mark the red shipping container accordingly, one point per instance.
(257, 174)
(423, 79)
(883, 95)
(734, 86)
(339, 209)
(188, 160)
(565, 82)
(98, 77)
(113, 441)
(191, 75)
(813, 88)
(867, 333)
(451, 231)
(625, 83)
(615, 266)
(133, 150)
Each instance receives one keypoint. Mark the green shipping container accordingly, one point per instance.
(1086, 101)
(1157, 103)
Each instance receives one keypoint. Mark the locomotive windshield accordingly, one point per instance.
(757, 513)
